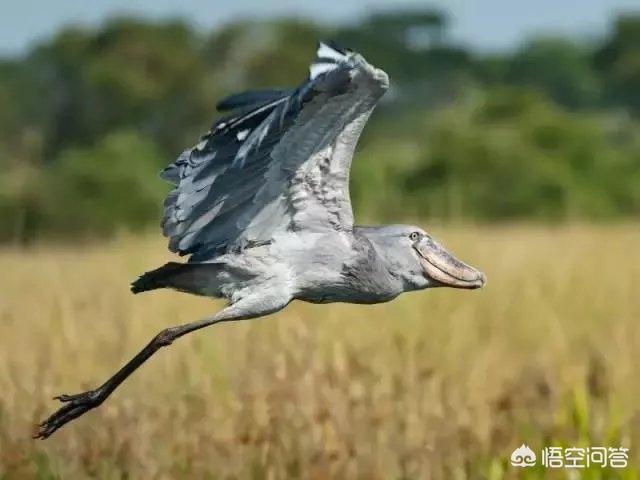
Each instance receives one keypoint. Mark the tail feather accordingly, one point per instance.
(196, 278)
(156, 278)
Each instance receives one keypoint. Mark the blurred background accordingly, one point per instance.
(511, 130)
(496, 111)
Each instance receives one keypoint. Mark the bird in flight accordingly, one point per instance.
(261, 206)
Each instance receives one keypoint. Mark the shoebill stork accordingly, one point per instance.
(261, 205)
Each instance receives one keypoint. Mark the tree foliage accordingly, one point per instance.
(548, 131)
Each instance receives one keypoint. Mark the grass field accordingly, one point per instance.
(441, 384)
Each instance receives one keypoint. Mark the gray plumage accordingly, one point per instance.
(261, 204)
(263, 199)
(280, 164)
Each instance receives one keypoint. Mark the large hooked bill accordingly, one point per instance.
(445, 269)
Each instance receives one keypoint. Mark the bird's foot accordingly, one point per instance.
(75, 405)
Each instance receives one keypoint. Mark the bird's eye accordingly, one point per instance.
(413, 236)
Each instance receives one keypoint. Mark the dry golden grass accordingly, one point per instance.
(440, 384)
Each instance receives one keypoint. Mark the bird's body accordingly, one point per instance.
(317, 267)
(261, 206)
(351, 270)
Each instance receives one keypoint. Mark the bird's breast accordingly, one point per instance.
(334, 274)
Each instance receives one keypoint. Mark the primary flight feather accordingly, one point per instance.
(280, 161)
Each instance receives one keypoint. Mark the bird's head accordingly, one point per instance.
(425, 262)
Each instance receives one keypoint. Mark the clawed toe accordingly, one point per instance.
(75, 405)
(66, 398)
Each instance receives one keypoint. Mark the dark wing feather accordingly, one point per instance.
(278, 161)
(251, 99)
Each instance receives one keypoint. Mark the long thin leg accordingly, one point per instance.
(76, 405)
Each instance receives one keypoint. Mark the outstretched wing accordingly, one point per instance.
(280, 161)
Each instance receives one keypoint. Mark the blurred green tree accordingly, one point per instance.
(512, 154)
(618, 60)
(89, 116)
(263, 55)
(128, 74)
(97, 190)
(557, 67)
